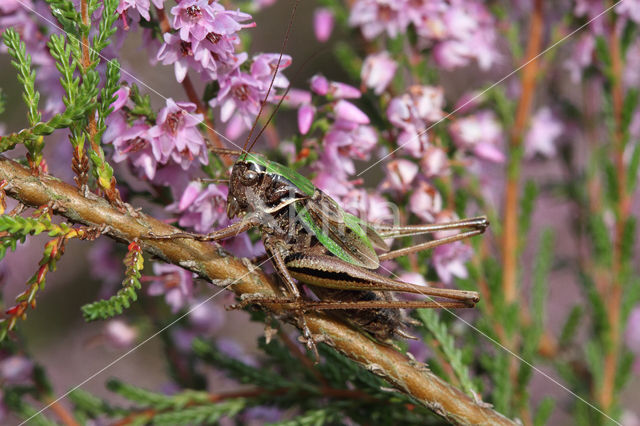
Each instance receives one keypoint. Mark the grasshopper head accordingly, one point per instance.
(243, 187)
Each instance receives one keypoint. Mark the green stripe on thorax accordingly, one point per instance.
(296, 178)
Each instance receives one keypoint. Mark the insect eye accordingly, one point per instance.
(250, 176)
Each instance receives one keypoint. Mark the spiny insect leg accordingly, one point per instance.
(230, 231)
(306, 305)
(277, 259)
(429, 244)
(479, 223)
(330, 272)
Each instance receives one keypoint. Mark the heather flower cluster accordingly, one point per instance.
(455, 32)
(205, 42)
(348, 137)
(157, 152)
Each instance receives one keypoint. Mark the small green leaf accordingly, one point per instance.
(570, 326)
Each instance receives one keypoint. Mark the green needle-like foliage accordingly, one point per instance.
(115, 305)
(26, 75)
(453, 355)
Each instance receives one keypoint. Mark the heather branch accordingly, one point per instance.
(26, 76)
(19, 227)
(90, 58)
(213, 264)
(58, 121)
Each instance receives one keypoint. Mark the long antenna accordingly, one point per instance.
(275, 73)
(284, 95)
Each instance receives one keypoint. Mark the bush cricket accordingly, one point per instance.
(310, 238)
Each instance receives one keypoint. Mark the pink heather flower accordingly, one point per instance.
(174, 282)
(339, 90)
(319, 85)
(334, 184)
(132, 144)
(629, 9)
(218, 53)
(399, 175)
(10, 6)
(458, 31)
(347, 111)
(180, 53)
(298, 97)
(378, 71)
(434, 162)
(428, 101)
(489, 152)
(206, 317)
(590, 9)
(581, 56)
(239, 92)
(451, 54)
(241, 246)
(399, 112)
(421, 104)
(172, 176)
(413, 141)
(197, 18)
(262, 69)
(323, 24)
(16, 370)
(413, 278)
(193, 18)
(629, 418)
(412, 112)
(449, 260)
(632, 66)
(176, 136)
(468, 102)
(120, 334)
(141, 6)
(481, 133)
(201, 208)
(443, 217)
(305, 118)
(377, 16)
(545, 129)
(632, 336)
(425, 202)
(342, 143)
(235, 126)
(334, 89)
(122, 96)
(368, 206)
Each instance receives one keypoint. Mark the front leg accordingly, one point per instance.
(233, 230)
(274, 248)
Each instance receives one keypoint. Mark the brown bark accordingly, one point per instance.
(213, 264)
